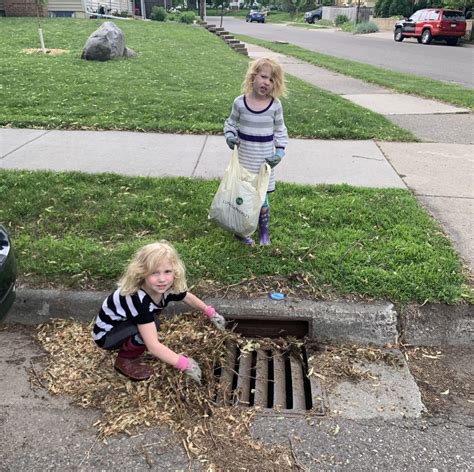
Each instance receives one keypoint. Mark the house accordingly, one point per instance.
(71, 8)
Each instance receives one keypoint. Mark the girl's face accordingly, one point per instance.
(161, 280)
(263, 83)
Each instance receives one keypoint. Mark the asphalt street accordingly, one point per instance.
(436, 61)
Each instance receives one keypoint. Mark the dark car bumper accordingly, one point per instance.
(7, 274)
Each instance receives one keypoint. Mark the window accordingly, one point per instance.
(423, 15)
(62, 14)
(453, 16)
(433, 15)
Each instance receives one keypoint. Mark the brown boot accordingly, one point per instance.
(133, 368)
(128, 361)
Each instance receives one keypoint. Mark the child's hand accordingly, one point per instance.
(232, 141)
(217, 320)
(275, 160)
(189, 367)
(193, 371)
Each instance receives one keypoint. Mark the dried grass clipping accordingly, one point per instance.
(348, 363)
(51, 52)
(78, 368)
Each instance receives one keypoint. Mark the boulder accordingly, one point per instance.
(106, 43)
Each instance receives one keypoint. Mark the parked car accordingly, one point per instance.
(257, 16)
(7, 273)
(429, 24)
(314, 15)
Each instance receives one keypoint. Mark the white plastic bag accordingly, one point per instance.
(239, 198)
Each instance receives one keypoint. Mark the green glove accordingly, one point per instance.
(275, 160)
(232, 141)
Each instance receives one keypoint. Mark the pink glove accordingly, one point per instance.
(217, 320)
(182, 363)
(190, 368)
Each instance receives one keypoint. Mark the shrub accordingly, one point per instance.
(325, 23)
(187, 17)
(173, 16)
(158, 13)
(348, 26)
(121, 14)
(340, 20)
(366, 27)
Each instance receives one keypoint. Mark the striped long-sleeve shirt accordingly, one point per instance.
(139, 308)
(259, 132)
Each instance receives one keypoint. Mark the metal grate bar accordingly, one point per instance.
(299, 399)
(261, 385)
(279, 384)
(243, 382)
(225, 391)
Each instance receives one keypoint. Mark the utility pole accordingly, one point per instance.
(202, 9)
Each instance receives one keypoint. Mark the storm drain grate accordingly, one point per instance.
(272, 381)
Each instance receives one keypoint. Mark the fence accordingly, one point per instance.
(353, 13)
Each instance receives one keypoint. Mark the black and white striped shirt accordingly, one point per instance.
(138, 308)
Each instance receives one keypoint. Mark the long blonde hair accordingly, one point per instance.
(145, 262)
(278, 76)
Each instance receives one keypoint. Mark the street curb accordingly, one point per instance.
(378, 323)
(437, 325)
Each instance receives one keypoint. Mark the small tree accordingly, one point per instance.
(400, 7)
(381, 8)
(40, 4)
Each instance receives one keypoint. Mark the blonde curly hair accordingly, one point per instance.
(277, 74)
(145, 262)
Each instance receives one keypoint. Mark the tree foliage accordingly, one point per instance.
(387, 8)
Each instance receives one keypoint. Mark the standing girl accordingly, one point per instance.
(129, 317)
(257, 127)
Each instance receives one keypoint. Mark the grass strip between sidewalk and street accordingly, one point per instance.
(183, 80)
(75, 230)
(398, 81)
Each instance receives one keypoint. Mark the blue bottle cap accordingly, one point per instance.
(277, 295)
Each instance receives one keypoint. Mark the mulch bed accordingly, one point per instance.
(210, 433)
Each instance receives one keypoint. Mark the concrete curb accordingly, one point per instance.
(378, 323)
(437, 325)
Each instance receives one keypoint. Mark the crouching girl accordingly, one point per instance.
(129, 318)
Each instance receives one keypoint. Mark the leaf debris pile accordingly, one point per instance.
(347, 362)
(213, 434)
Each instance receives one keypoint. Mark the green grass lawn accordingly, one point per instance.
(184, 80)
(77, 230)
(74, 230)
(397, 81)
